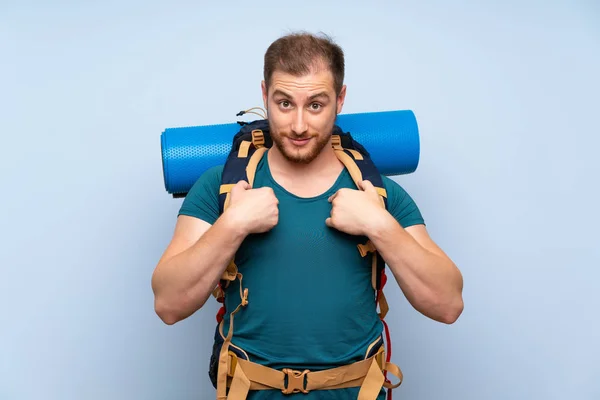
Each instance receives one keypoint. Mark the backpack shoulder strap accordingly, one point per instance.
(359, 164)
(248, 147)
(357, 161)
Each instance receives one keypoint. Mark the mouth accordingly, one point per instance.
(300, 142)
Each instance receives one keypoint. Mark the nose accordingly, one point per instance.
(299, 125)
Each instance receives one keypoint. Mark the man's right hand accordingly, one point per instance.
(253, 210)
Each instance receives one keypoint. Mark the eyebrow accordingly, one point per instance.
(280, 92)
(320, 94)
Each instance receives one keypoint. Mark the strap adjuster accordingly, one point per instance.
(232, 361)
(295, 381)
(258, 138)
(336, 142)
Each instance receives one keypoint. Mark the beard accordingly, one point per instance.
(302, 154)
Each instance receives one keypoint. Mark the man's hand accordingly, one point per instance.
(253, 210)
(355, 211)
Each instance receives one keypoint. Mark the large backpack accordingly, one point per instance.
(248, 147)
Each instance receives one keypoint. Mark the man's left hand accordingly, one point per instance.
(355, 211)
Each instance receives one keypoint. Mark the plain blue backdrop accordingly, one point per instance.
(506, 96)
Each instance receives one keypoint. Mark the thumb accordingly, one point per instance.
(240, 186)
(367, 186)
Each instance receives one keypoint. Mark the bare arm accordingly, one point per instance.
(427, 276)
(192, 265)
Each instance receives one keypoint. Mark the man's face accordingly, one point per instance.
(302, 112)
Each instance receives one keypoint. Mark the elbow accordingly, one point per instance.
(453, 306)
(169, 306)
(451, 311)
(442, 310)
(172, 311)
(166, 312)
(169, 312)
(168, 318)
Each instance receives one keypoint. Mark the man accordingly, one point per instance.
(294, 237)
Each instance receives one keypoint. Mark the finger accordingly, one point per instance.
(329, 222)
(241, 185)
(333, 196)
(367, 186)
(244, 184)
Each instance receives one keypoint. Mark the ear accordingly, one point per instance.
(340, 99)
(263, 87)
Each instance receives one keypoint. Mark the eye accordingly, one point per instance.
(284, 103)
(315, 106)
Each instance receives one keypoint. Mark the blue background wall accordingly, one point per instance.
(506, 95)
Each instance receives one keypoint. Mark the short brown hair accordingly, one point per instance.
(296, 53)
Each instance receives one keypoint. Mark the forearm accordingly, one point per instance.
(183, 283)
(429, 279)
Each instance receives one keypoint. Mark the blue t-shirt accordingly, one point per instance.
(311, 304)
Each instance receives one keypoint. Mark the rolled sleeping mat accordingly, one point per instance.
(390, 137)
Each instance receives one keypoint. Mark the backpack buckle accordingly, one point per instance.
(295, 381)
(258, 138)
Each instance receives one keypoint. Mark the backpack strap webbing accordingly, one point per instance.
(360, 166)
(248, 147)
